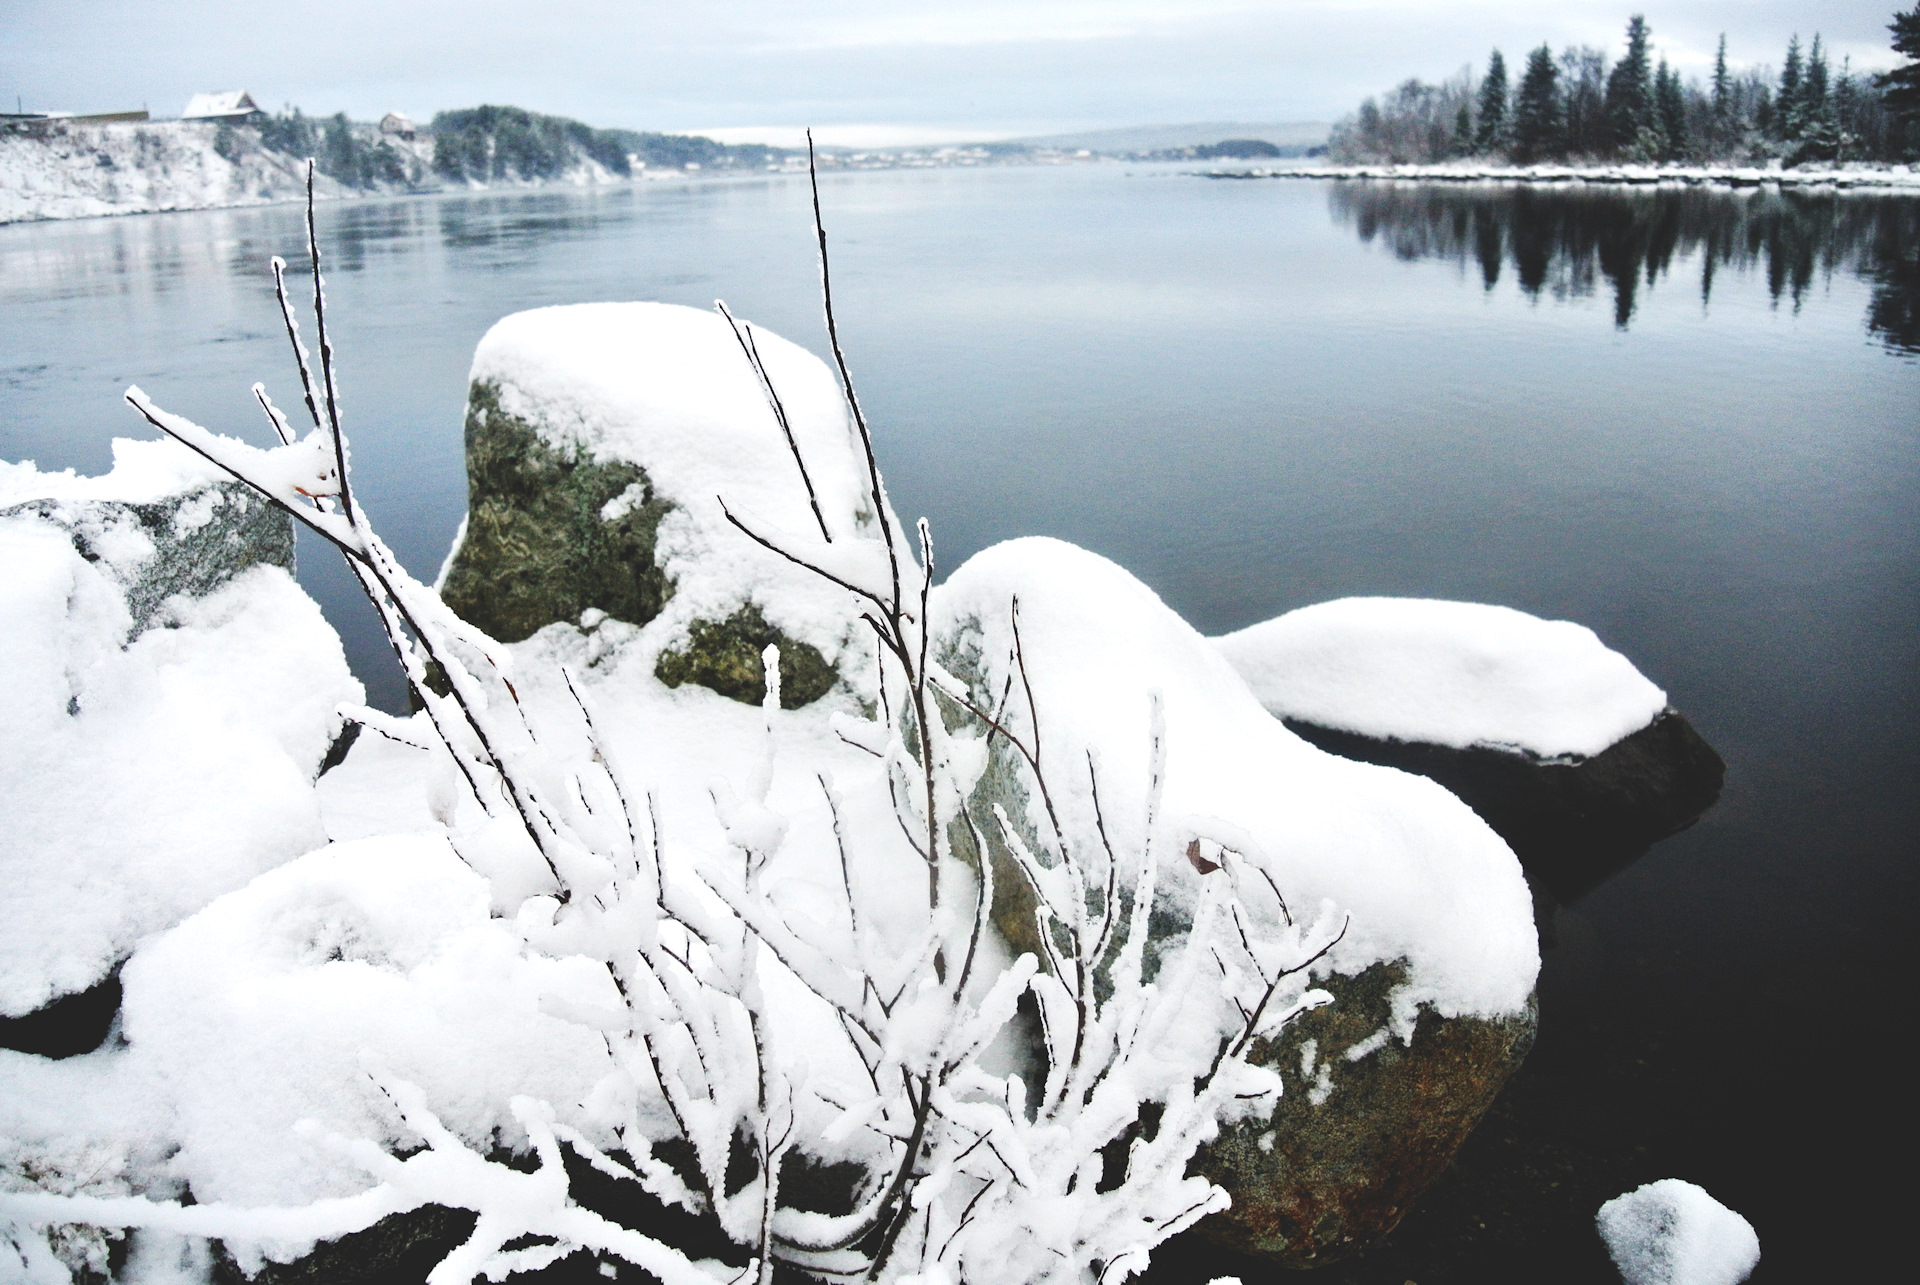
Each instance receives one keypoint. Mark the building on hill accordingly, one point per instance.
(229, 106)
(397, 125)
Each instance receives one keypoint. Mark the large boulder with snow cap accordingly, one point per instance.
(602, 441)
(1432, 980)
(1566, 749)
(171, 693)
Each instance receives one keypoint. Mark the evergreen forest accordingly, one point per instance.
(1583, 106)
(479, 144)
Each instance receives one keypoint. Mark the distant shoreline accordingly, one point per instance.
(1880, 178)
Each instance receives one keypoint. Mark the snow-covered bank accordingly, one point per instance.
(1896, 178)
(85, 171)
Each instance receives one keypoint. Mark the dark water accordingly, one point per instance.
(1689, 420)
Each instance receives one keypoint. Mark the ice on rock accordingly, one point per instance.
(1673, 1233)
(1457, 674)
(144, 773)
(1423, 878)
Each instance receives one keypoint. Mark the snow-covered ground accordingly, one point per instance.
(1898, 178)
(85, 170)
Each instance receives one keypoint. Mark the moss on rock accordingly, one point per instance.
(1319, 1180)
(550, 531)
(724, 656)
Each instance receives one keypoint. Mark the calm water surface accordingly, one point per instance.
(1689, 420)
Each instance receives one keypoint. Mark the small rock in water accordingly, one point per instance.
(1672, 1233)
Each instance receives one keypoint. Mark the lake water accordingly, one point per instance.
(1689, 420)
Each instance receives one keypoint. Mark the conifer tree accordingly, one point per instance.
(1492, 136)
(1670, 101)
(1630, 90)
(1463, 131)
(1722, 82)
(1818, 129)
(1537, 130)
(1901, 86)
(1786, 108)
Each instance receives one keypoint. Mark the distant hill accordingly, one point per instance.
(485, 144)
(1290, 137)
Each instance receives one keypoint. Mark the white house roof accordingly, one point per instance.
(228, 102)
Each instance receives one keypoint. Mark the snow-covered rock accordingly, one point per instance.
(1566, 749)
(1433, 977)
(1458, 674)
(602, 440)
(162, 522)
(1673, 1233)
(171, 694)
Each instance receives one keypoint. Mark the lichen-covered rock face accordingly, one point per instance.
(607, 445)
(1354, 1142)
(727, 656)
(187, 543)
(551, 532)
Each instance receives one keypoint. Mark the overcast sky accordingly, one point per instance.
(863, 71)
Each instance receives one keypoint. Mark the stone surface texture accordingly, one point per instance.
(1354, 1143)
(537, 546)
(190, 543)
(606, 446)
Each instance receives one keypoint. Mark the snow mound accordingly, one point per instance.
(256, 1012)
(1423, 878)
(142, 776)
(667, 388)
(1672, 1233)
(1445, 673)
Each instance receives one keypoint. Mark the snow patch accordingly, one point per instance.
(1445, 673)
(1673, 1233)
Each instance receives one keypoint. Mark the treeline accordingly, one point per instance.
(480, 144)
(491, 143)
(1579, 107)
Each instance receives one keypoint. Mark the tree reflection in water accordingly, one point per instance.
(1566, 241)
